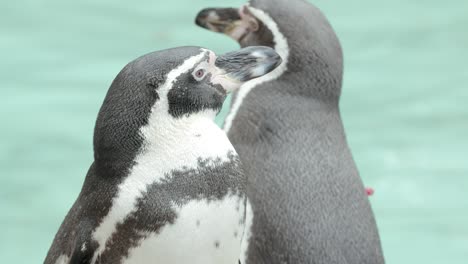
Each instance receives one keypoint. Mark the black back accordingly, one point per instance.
(308, 200)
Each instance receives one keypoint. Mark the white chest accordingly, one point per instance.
(164, 152)
(204, 232)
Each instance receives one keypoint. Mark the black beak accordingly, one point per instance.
(248, 63)
(217, 19)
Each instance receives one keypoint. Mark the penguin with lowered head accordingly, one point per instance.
(166, 185)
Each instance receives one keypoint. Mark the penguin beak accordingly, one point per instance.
(240, 66)
(236, 23)
(217, 19)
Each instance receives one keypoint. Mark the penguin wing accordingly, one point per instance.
(79, 257)
(84, 247)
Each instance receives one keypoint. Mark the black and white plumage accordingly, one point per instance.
(308, 201)
(166, 185)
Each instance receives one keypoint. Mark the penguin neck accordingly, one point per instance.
(311, 83)
(281, 47)
(312, 55)
(169, 130)
(161, 134)
(309, 80)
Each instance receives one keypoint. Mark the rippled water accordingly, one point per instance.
(404, 106)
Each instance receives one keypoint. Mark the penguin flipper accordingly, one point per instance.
(84, 246)
(82, 257)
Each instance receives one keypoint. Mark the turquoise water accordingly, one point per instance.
(404, 106)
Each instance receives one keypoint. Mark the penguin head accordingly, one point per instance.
(297, 30)
(175, 84)
(188, 80)
(237, 23)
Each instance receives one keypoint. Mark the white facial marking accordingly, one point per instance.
(208, 66)
(201, 71)
(168, 145)
(212, 58)
(281, 47)
(202, 233)
(218, 76)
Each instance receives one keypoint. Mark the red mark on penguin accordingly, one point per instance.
(369, 191)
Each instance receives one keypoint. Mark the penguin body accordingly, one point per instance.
(308, 201)
(166, 185)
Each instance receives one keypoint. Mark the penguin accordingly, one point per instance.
(166, 185)
(308, 202)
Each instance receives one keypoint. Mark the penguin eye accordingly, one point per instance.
(199, 74)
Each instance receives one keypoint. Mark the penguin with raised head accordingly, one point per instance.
(308, 200)
(166, 185)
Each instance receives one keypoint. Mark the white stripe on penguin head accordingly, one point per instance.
(281, 47)
(135, 184)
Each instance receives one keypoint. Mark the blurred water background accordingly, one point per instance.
(404, 106)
